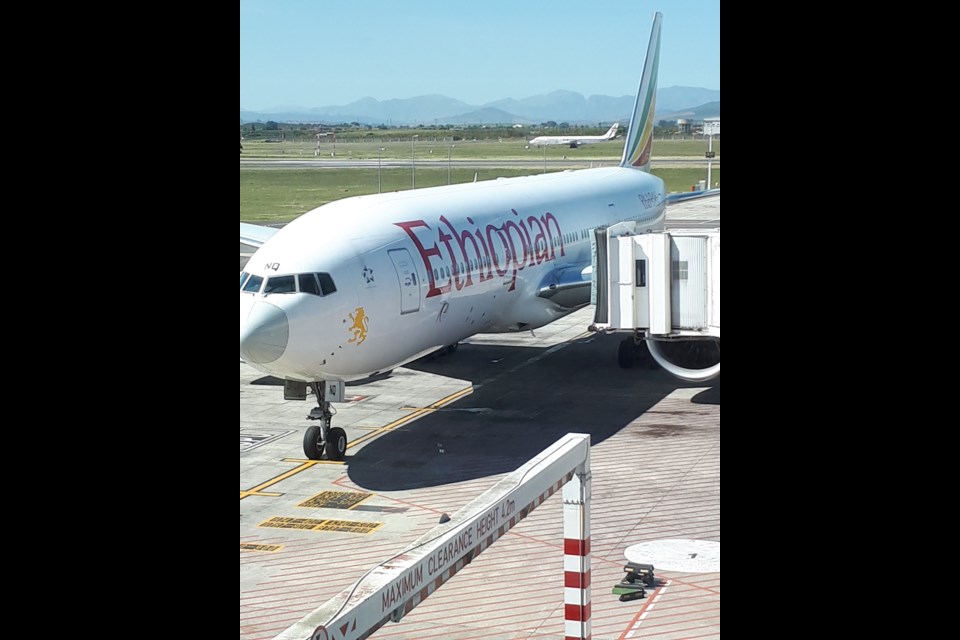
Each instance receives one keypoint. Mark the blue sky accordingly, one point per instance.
(311, 53)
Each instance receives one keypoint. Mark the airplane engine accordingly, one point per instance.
(693, 360)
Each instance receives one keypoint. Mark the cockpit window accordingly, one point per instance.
(326, 283)
(280, 284)
(318, 284)
(308, 284)
(253, 284)
(243, 276)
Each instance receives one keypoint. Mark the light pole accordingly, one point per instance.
(379, 183)
(413, 155)
(711, 127)
(449, 153)
(710, 156)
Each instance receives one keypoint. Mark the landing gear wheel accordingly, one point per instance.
(311, 443)
(452, 349)
(627, 354)
(336, 445)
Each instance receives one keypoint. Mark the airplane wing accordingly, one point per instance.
(254, 235)
(675, 198)
(694, 208)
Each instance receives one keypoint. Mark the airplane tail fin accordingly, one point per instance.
(612, 131)
(636, 152)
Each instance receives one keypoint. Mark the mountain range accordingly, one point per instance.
(559, 106)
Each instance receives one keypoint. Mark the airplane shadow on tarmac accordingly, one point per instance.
(521, 404)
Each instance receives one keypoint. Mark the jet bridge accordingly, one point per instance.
(663, 287)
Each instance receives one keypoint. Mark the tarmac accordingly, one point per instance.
(429, 437)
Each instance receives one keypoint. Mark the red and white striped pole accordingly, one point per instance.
(576, 554)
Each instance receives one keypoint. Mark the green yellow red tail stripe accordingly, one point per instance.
(636, 152)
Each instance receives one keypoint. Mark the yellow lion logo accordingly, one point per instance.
(359, 326)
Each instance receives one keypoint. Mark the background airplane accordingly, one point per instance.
(576, 141)
(369, 283)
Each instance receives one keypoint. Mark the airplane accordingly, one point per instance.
(365, 284)
(576, 141)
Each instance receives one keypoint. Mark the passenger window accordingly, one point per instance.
(243, 276)
(326, 283)
(253, 284)
(308, 284)
(280, 284)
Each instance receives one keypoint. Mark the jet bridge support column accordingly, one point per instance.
(392, 589)
(576, 554)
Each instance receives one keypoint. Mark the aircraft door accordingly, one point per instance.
(409, 281)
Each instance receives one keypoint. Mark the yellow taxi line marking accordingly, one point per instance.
(413, 416)
(306, 464)
(256, 491)
(244, 494)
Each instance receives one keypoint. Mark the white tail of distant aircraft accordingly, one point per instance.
(575, 141)
(369, 283)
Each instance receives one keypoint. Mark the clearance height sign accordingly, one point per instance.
(392, 589)
(437, 562)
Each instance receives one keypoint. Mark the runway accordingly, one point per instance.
(507, 163)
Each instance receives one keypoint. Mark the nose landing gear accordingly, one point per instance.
(324, 438)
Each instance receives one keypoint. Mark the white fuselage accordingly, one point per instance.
(574, 140)
(417, 270)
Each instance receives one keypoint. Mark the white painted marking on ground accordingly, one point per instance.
(687, 556)
(636, 625)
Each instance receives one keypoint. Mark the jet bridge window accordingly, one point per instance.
(680, 270)
(253, 284)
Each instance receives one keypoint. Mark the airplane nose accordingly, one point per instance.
(264, 335)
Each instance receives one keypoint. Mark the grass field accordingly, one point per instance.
(280, 195)
(437, 148)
